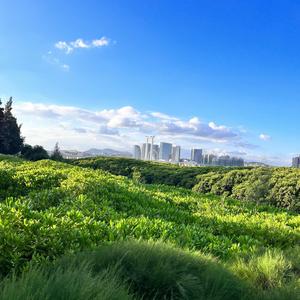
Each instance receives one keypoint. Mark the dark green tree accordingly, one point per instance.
(56, 154)
(34, 153)
(11, 141)
(2, 127)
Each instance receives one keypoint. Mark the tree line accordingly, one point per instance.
(12, 142)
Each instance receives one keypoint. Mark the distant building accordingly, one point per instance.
(196, 156)
(165, 151)
(155, 154)
(296, 162)
(145, 151)
(176, 154)
(255, 164)
(137, 153)
(223, 160)
(209, 159)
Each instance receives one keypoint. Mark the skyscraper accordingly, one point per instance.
(165, 151)
(176, 154)
(137, 152)
(296, 162)
(145, 153)
(196, 156)
(155, 152)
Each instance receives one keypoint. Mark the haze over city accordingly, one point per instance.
(221, 76)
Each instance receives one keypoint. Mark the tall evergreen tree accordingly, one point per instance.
(12, 140)
(2, 128)
(56, 154)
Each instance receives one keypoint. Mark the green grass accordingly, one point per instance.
(49, 209)
(148, 270)
(76, 281)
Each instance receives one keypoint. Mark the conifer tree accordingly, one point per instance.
(2, 140)
(13, 141)
(56, 154)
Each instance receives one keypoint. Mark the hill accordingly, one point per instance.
(148, 172)
(50, 209)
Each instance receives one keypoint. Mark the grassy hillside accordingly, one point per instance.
(148, 172)
(50, 209)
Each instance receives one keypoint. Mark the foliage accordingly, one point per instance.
(153, 270)
(49, 208)
(56, 154)
(157, 271)
(11, 141)
(72, 208)
(76, 282)
(148, 172)
(34, 153)
(276, 186)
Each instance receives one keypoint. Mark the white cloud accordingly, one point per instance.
(264, 137)
(63, 46)
(100, 42)
(68, 47)
(130, 119)
(79, 128)
(162, 116)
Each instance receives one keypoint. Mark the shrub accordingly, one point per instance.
(277, 186)
(149, 172)
(34, 153)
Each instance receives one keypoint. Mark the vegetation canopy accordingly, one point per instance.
(49, 209)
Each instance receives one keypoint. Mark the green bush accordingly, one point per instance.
(34, 153)
(277, 186)
(149, 172)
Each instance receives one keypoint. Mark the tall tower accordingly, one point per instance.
(165, 151)
(137, 152)
(146, 150)
(151, 149)
(196, 155)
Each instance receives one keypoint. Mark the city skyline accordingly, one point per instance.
(168, 152)
(103, 75)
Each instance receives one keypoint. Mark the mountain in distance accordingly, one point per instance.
(106, 152)
(93, 152)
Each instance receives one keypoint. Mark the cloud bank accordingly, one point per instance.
(127, 118)
(78, 128)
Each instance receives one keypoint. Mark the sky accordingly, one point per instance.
(219, 75)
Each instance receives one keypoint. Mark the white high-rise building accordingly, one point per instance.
(176, 154)
(137, 153)
(296, 162)
(145, 152)
(196, 156)
(155, 152)
(165, 151)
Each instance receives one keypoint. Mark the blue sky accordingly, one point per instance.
(221, 75)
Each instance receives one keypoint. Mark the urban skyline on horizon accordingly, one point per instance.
(168, 152)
